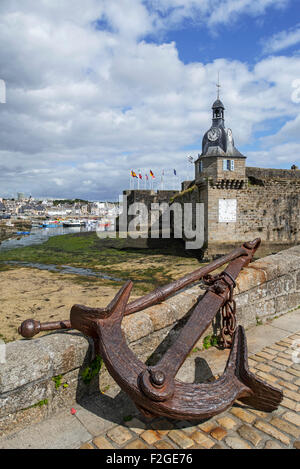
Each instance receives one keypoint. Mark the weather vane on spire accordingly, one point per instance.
(218, 85)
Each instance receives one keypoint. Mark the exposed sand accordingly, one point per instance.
(45, 296)
(175, 268)
(30, 293)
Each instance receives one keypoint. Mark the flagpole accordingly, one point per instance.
(187, 169)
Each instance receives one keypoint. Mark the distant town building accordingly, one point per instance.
(21, 196)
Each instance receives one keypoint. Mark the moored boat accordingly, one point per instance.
(73, 223)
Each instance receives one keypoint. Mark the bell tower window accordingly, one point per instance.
(228, 165)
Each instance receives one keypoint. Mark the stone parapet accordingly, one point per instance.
(271, 173)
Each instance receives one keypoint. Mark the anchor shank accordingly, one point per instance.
(162, 293)
(203, 314)
(197, 324)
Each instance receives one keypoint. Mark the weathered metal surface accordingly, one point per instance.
(31, 327)
(228, 309)
(154, 389)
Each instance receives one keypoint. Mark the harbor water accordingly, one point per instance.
(39, 236)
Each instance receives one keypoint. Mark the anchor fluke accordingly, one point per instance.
(85, 319)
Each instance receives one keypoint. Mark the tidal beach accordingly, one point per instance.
(83, 269)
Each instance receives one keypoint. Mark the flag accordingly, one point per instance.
(175, 172)
(140, 176)
(151, 174)
(191, 159)
(133, 174)
(147, 177)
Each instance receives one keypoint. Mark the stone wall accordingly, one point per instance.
(209, 167)
(267, 201)
(147, 197)
(212, 167)
(267, 206)
(269, 210)
(43, 375)
(239, 169)
(271, 173)
(145, 219)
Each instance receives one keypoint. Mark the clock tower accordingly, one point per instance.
(220, 160)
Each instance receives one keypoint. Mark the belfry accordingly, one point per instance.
(219, 159)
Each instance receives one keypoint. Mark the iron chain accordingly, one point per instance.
(228, 310)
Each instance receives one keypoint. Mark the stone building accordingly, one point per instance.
(148, 198)
(240, 203)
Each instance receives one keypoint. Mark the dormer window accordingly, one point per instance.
(228, 165)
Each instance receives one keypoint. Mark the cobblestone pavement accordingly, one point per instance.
(238, 428)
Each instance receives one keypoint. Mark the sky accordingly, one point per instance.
(98, 88)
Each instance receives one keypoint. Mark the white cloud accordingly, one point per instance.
(282, 40)
(284, 155)
(209, 12)
(87, 105)
(229, 10)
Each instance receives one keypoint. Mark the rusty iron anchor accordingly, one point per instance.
(154, 390)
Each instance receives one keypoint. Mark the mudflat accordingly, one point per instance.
(46, 296)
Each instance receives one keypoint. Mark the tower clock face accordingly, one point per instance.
(213, 134)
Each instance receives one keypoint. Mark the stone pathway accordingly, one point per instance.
(238, 428)
(113, 422)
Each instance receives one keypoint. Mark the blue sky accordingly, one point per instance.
(97, 88)
(241, 40)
